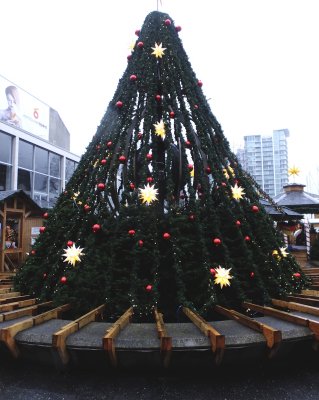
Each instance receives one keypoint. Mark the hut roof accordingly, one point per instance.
(297, 199)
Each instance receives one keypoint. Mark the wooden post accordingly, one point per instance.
(166, 341)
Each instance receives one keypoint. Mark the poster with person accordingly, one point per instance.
(22, 110)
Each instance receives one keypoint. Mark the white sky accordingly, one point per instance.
(258, 60)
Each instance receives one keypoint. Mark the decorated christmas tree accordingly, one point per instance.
(159, 212)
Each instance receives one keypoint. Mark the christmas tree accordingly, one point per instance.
(159, 212)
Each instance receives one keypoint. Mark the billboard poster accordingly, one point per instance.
(21, 109)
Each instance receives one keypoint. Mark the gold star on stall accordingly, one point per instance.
(160, 129)
(148, 194)
(222, 277)
(72, 254)
(158, 50)
(293, 171)
(238, 192)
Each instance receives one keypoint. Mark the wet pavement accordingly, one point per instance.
(284, 381)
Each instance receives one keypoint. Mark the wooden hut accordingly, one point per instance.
(20, 221)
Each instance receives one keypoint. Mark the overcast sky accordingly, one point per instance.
(258, 60)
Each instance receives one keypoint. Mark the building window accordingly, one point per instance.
(5, 177)
(25, 155)
(41, 160)
(70, 167)
(25, 180)
(55, 165)
(5, 148)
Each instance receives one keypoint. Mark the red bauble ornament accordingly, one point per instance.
(188, 144)
(148, 288)
(103, 161)
(96, 228)
(33, 252)
(190, 167)
(166, 236)
(208, 170)
(119, 104)
(196, 106)
(247, 238)
(139, 135)
(132, 186)
(255, 209)
(217, 241)
(137, 32)
(238, 223)
(45, 215)
(252, 274)
(98, 147)
(131, 232)
(133, 78)
(109, 144)
(63, 279)
(44, 275)
(167, 22)
(129, 57)
(140, 243)
(212, 271)
(199, 83)
(172, 114)
(191, 217)
(42, 229)
(122, 159)
(140, 45)
(178, 28)
(149, 179)
(224, 184)
(87, 208)
(149, 156)
(101, 186)
(158, 97)
(297, 275)
(69, 243)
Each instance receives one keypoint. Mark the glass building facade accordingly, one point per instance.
(266, 159)
(34, 165)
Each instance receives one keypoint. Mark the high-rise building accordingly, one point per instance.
(34, 146)
(266, 159)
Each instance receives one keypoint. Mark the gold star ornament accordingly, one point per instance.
(222, 277)
(238, 192)
(293, 171)
(160, 129)
(281, 253)
(72, 254)
(158, 50)
(148, 194)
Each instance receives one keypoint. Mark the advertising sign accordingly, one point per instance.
(21, 109)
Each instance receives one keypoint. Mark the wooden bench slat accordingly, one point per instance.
(312, 325)
(273, 336)
(7, 334)
(296, 306)
(217, 340)
(59, 337)
(112, 333)
(166, 341)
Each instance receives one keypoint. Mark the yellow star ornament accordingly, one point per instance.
(148, 194)
(293, 171)
(238, 192)
(72, 254)
(160, 129)
(222, 277)
(158, 50)
(280, 254)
